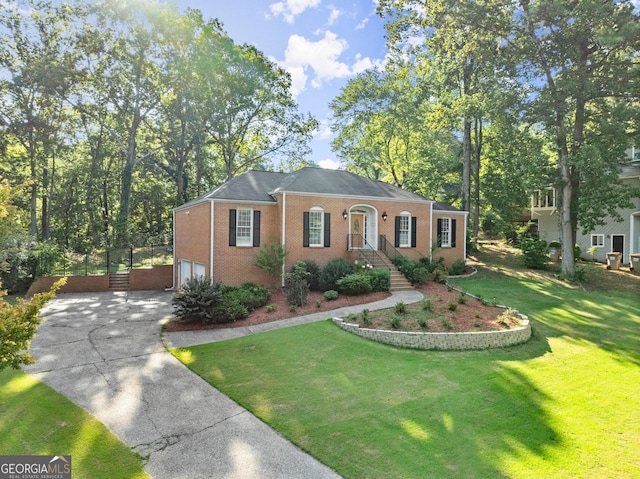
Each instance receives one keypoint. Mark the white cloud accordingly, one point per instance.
(362, 24)
(329, 164)
(320, 56)
(290, 9)
(334, 15)
(365, 63)
(318, 61)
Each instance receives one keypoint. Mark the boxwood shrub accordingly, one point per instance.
(333, 271)
(354, 284)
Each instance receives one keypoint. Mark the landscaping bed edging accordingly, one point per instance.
(444, 341)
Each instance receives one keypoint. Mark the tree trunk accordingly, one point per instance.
(466, 166)
(477, 155)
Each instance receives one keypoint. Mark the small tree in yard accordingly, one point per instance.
(298, 285)
(18, 325)
(271, 258)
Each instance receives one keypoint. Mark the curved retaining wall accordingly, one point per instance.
(445, 341)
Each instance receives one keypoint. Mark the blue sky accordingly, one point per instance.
(321, 43)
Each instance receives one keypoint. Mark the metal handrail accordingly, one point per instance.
(365, 249)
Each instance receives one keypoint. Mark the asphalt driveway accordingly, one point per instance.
(104, 352)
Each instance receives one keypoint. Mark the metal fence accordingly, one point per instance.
(111, 261)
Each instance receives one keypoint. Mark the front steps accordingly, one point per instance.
(119, 281)
(398, 282)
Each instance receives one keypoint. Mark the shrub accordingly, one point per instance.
(333, 271)
(400, 308)
(420, 275)
(365, 317)
(250, 295)
(354, 284)
(405, 266)
(271, 258)
(23, 260)
(330, 295)
(452, 305)
(457, 268)
(432, 266)
(379, 278)
(577, 252)
(198, 300)
(427, 305)
(202, 300)
(18, 324)
(395, 322)
(270, 307)
(439, 276)
(297, 285)
(462, 298)
(313, 268)
(422, 322)
(534, 251)
(230, 310)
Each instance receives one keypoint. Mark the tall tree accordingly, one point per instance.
(384, 131)
(252, 116)
(463, 60)
(585, 56)
(38, 59)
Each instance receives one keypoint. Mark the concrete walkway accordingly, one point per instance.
(104, 351)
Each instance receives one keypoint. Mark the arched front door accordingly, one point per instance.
(362, 227)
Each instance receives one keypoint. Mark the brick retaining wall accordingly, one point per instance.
(444, 341)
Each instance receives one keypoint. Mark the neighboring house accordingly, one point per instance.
(622, 237)
(317, 214)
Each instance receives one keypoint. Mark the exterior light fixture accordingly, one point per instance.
(384, 216)
(345, 214)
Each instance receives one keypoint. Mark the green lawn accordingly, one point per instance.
(36, 420)
(564, 405)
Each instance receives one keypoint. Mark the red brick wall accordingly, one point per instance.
(192, 232)
(450, 254)
(75, 284)
(154, 278)
(234, 265)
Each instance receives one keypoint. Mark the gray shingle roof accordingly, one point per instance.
(264, 185)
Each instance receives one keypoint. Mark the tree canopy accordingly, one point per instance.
(112, 113)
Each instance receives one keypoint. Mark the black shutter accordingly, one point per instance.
(256, 229)
(327, 230)
(414, 231)
(453, 233)
(305, 229)
(439, 232)
(396, 241)
(232, 227)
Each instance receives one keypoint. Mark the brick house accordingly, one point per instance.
(317, 214)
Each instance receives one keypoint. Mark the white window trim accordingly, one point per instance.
(407, 215)
(539, 198)
(599, 240)
(241, 241)
(447, 243)
(317, 209)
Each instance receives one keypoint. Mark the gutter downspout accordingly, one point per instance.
(211, 238)
(284, 231)
(431, 233)
(173, 276)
